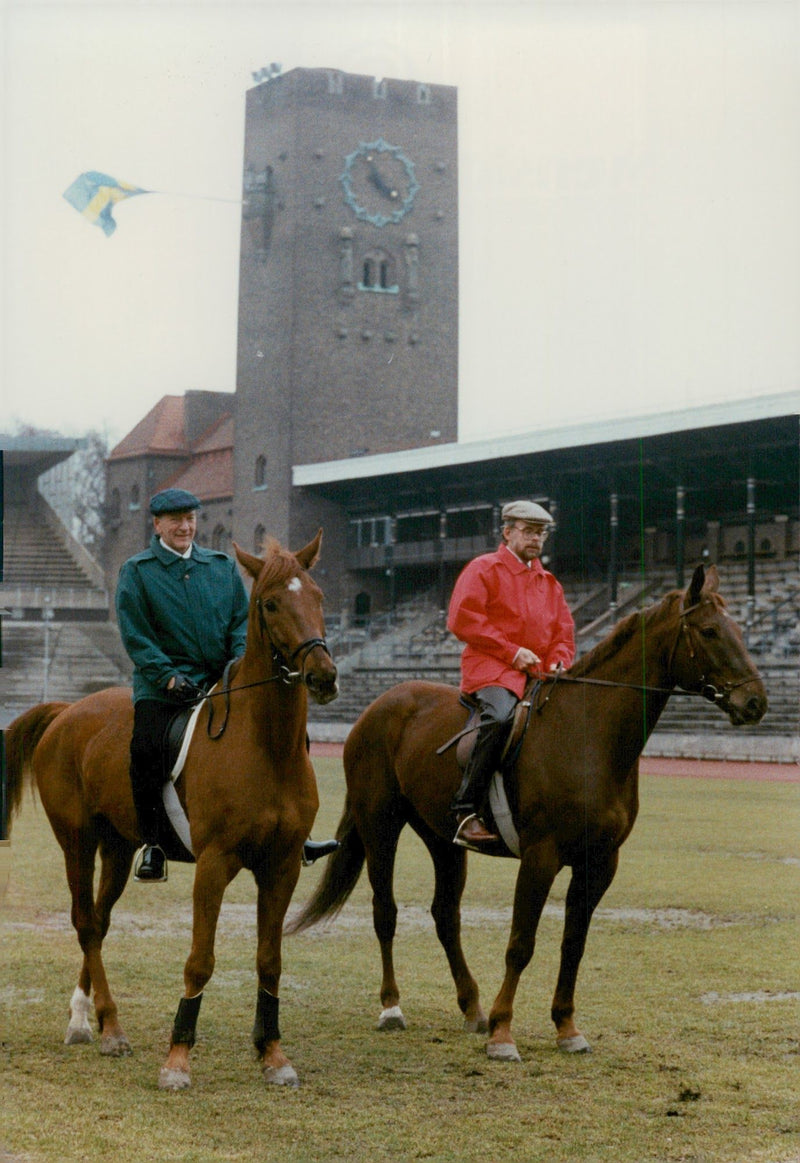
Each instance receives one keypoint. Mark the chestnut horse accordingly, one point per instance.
(573, 792)
(250, 796)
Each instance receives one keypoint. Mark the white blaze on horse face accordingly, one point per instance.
(294, 585)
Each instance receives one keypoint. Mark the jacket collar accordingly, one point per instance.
(166, 557)
(512, 562)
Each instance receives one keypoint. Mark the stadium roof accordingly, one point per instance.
(573, 436)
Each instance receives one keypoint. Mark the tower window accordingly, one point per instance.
(378, 273)
(259, 537)
(260, 478)
(335, 82)
(134, 502)
(379, 89)
(423, 94)
(219, 537)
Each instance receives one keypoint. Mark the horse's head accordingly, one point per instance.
(710, 656)
(286, 609)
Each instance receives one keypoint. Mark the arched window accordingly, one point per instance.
(260, 478)
(219, 538)
(134, 502)
(379, 273)
(115, 505)
(259, 538)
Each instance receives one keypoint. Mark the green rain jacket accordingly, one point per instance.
(177, 615)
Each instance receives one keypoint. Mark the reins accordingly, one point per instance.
(707, 690)
(285, 675)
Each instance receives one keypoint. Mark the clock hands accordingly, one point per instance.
(378, 182)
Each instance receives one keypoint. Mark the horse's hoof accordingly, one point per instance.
(281, 1075)
(392, 1019)
(76, 1035)
(577, 1044)
(115, 1046)
(169, 1079)
(476, 1025)
(503, 1052)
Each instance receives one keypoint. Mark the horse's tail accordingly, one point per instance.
(21, 739)
(342, 870)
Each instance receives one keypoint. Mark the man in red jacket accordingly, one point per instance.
(514, 621)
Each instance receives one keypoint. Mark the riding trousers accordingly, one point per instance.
(151, 718)
(497, 711)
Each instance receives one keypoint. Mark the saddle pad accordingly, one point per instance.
(172, 805)
(498, 802)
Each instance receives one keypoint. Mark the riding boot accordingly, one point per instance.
(151, 863)
(314, 849)
(471, 795)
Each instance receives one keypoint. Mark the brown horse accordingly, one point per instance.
(249, 794)
(573, 792)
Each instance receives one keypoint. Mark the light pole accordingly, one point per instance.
(47, 616)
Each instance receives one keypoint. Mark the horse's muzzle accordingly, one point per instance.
(745, 705)
(323, 687)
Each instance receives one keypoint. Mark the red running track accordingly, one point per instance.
(693, 768)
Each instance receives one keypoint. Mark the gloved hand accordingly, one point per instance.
(183, 690)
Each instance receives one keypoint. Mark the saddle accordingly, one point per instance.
(465, 738)
(497, 808)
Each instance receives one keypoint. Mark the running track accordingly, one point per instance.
(694, 768)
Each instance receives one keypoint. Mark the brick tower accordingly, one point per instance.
(348, 298)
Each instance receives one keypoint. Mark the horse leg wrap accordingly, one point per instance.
(265, 1028)
(185, 1024)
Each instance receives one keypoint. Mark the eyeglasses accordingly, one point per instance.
(533, 531)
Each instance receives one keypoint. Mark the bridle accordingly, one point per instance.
(707, 690)
(284, 672)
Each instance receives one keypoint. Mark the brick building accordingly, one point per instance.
(345, 413)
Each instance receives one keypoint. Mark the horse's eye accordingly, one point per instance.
(271, 606)
(709, 632)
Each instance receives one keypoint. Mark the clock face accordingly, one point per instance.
(379, 182)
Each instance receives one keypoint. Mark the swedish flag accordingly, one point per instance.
(94, 195)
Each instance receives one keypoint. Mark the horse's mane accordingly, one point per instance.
(610, 646)
(280, 565)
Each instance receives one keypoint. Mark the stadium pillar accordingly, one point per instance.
(751, 550)
(612, 553)
(440, 551)
(680, 534)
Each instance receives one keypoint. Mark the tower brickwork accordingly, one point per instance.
(348, 302)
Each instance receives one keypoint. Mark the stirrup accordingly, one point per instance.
(142, 864)
(476, 843)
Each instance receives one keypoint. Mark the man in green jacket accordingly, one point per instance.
(182, 614)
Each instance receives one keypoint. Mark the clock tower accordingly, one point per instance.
(348, 300)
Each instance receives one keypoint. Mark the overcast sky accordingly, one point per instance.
(629, 194)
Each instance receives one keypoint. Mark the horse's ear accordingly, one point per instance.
(309, 555)
(712, 580)
(704, 581)
(248, 561)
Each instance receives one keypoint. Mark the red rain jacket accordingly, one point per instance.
(499, 605)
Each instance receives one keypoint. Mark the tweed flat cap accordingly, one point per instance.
(525, 511)
(173, 501)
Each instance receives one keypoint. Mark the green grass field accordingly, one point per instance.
(688, 992)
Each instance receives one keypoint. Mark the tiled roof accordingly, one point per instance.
(219, 435)
(209, 476)
(160, 433)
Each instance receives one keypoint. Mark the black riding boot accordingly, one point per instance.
(314, 849)
(471, 795)
(152, 863)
